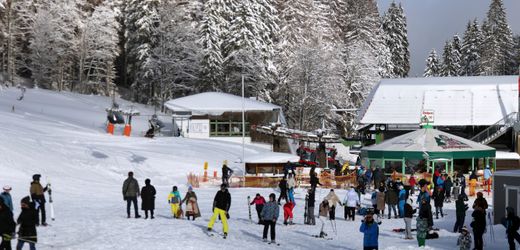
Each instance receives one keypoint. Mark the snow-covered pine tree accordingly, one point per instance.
(394, 24)
(471, 49)
(448, 68)
(456, 46)
(432, 65)
(498, 38)
(517, 49)
(141, 22)
(212, 30)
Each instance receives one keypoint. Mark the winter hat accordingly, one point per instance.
(7, 188)
(480, 195)
(147, 182)
(26, 200)
(174, 188)
(36, 177)
(223, 185)
(225, 162)
(190, 188)
(401, 187)
(465, 229)
(272, 195)
(130, 174)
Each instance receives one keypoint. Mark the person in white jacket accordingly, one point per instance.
(291, 184)
(351, 202)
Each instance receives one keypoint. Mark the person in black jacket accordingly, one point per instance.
(283, 190)
(226, 173)
(7, 226)
(311, 220)
(408, 215)
(27, 221)
(221, 205)
(315, 181)
(512, 223)
(148, 199)
(479, 226)
(438, 200)
(460, 210)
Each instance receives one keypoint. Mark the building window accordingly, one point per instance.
(227, 128)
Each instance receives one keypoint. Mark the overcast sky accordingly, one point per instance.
(432, 22)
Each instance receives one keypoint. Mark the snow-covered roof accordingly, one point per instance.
(502, 155)
(216, 103)
(456, 101)
(271, 158)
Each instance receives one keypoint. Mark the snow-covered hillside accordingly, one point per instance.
(61, 136)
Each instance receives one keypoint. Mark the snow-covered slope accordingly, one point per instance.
(61, 136)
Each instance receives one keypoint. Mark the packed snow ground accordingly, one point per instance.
(61, 136)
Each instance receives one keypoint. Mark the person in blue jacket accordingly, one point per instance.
(8, 201)
(370, 231)
(402, 201)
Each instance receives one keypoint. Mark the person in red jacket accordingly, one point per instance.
(288, 213)
(259, 202)
(412, 183)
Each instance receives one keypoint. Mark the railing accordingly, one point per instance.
(496, 130)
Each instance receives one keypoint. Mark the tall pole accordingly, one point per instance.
(243, 122)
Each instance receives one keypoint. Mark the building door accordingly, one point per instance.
(512, 200)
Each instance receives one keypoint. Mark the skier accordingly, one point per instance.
(288, 213)
(270, 214)
(448, 185)
(479, 226)
(380, 197)
(291, 183)
(370, 231)
(174, 199)
(487, 178)
(148, 199)
(438, 200)
(460, 211)
(226, 173)
(221, 205)
(323, 212)
(391, 200)
(512, 223)
(332, 199)
(480, 202)
(192, 206)
(27, 220)
(351, 201)
(310, 208)
(464, 240)
(130, 193)
(259, 202)
(6, 197)
(37, 195)
(7, 226)
(283, 190)
(402, 200)
(408, 215)
(422, 222)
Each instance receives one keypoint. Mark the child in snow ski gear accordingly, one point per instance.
(221, 205)
(174, 199)
(270, 214)
(130, 193)
(479, 226)
(6, 197)
(310, 208)
(7, 226)
(259, 202)
(408, 215)
(148, 199)
(370, 231)
(291, 184)
(512, 223)
(438, 200)
(351, 201)
(464, 241)
(192, 206)
(402, 200)
(226, 173)
(27, 221)
(288, 213)
(283, 190)
(460, 211)
(332, 199)
(37, 195)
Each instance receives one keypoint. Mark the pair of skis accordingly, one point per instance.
(49, 190)
(249, 207)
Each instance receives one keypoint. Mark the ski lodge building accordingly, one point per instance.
(481, 108)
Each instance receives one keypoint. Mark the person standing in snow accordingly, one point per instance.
(226, 173)
(380, 198)
(315, 181)
(27, 221)
(148, 199)
(370, 231)
(422, 222)
(438, 200)
(512, 224)
(311, 220)
(259, 203)
(37, 195)
(487, 178)
(288, 213)
(291, 184)
(6, 197)
(408, 215)
(412, 183)
(332, 199)
(480, 201)
(456, 189)
(460, 211)
(391, 200)
(221, 205)
(351, 202)
(448, 185)
(479, 226)
(7, 226)
(130, 194)
(283, 190)
(270, 214)
(174, 199)
(402, 200)
(464, 241)
(192, 206)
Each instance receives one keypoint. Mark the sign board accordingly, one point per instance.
(199, 128)
(427, 117)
